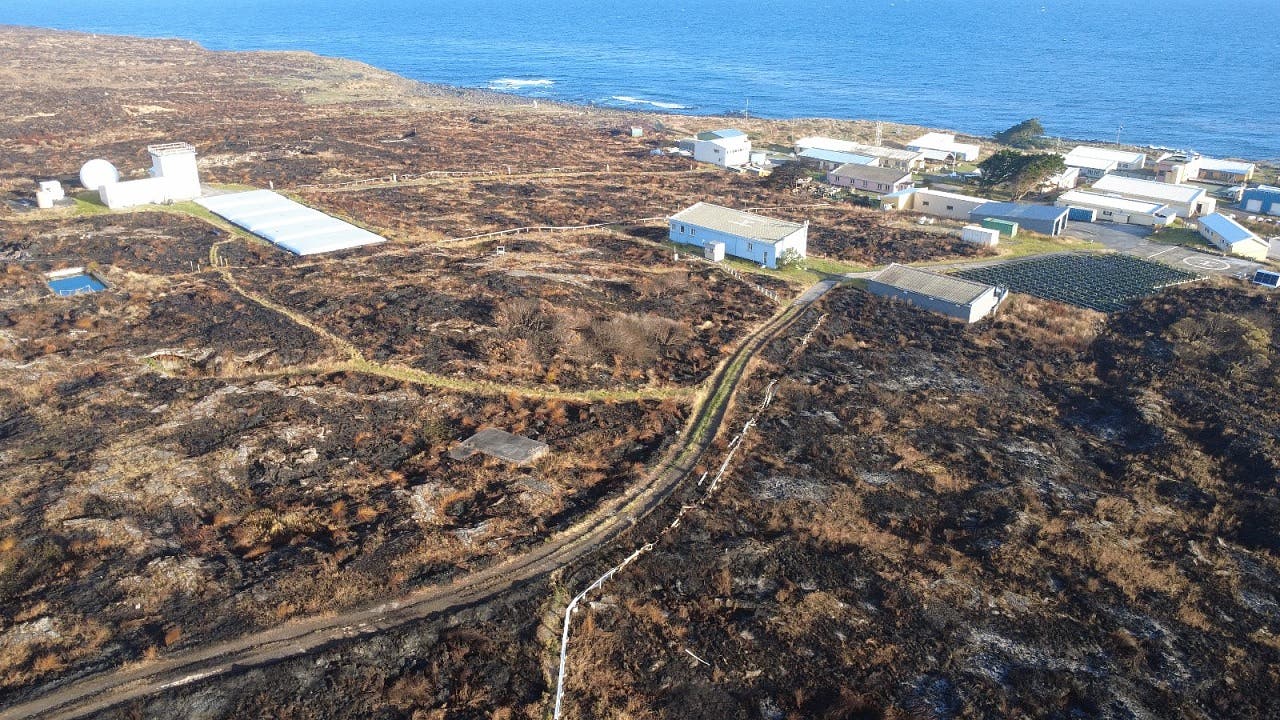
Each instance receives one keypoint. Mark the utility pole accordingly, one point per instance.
(1118, 133)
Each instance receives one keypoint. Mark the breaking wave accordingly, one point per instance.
(654, 103)
(519, 83)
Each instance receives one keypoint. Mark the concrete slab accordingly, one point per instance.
(502, 445)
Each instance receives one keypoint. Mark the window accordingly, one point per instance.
(693, 231)
(1106, 213)
(681, 229)
(750, 247)
(926, 203)
(951, 207)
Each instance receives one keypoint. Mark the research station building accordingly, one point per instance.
(952, 296)
(745, 235)
(727, 148)
(1044, 219)
(1262, 199)
(1233, 238)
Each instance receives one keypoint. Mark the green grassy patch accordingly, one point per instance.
(1029, 243)
(1179, 236)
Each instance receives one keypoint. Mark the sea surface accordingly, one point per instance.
(1184, 74)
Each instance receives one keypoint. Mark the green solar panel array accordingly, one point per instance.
(1106, 283)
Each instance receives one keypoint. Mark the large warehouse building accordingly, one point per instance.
(1262, 199)
(1114, 208)
(745, 235)
(1184, 200)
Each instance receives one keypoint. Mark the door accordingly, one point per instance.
(1253, 206)
(1275, 208)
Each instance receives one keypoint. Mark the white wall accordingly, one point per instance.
(731, 152)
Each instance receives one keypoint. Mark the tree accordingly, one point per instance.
(790, 258)
(1019, 172)
(1023, 135)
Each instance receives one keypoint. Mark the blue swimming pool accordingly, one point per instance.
(76, 284)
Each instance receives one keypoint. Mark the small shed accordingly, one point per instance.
(637, 131)
(714, 251)
(980, 236)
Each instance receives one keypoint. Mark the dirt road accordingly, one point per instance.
(98, 693)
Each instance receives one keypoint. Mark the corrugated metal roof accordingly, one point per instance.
(721, 134)
(824, 143)
(835, 156)
(1116, 202)
(1120, 156)
(935, 285)
(1019, 210)
(295, 227)
(1226, 228)
(737, 222)
(871, 173)
(1149, 189)
(1232, 166)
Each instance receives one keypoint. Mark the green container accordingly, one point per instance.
(1006, 227)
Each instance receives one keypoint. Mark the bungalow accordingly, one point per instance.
(1233, 238)
(1184, 200)
(726, 148)
(751, 237)
(1089, 166)
(1182, 167)
(942, 147)
(878, 180)
(952, 296)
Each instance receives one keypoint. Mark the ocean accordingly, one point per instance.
(1173, 73)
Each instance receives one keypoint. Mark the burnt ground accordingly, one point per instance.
(1050, 516)
(181, 463)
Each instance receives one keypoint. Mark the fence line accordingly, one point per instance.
(553, 228)
(734, 445)
(396, 178)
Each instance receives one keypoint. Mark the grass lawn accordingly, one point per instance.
(1179, 236)
(1029, 243)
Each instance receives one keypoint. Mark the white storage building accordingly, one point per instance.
(907, 160)
(745, 235)
(1084, 155)
(956, 297)
(1115, 208)
(942, 147)
(1233, 238)
(174, 178)
(726, 148)
(1184, 200)
(949, 205)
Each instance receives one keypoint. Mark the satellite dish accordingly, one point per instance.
(97, 173)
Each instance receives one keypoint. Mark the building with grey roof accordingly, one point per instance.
(1044, 219)
(745, 235)
(952, 296)
(878, 180)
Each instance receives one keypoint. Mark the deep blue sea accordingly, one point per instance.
(1188, 74)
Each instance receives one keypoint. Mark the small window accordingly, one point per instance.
(693, 231)
(951, 207)
(750, 247)
(681, 229)
(926, 203)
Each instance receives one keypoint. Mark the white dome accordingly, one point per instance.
(97, 173)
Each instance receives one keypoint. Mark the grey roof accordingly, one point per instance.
(934, 285)
(1018, 210)
(502, 445)
(737, 222)
(835, 156)
(871, 173)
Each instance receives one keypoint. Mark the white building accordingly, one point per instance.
(1115, 208)
(1065, 180)
(942, 147)
(952, 296)
(1089, 166)
(1184, 200)
(907, 160)
(936, 202)
(49, 193)
(751, 237)
(1233, 238)
(1123, 159)
(726, 148)
(174, 178)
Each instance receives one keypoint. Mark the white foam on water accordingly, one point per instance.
(519, 83)
(654, 103)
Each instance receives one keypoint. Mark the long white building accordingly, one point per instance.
(1123, 159)
(907, 160)
(745, 235)
(1114, 208)
(1184, 200)
(942, 147)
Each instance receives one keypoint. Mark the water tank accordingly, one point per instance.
(97, 173)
